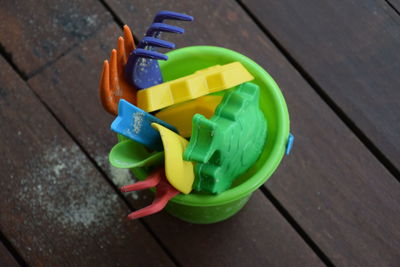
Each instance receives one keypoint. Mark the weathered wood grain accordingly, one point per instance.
(342, 197)
(351, 50)
(6, 259)
(73, 98)
(56, 209)
(35, 33)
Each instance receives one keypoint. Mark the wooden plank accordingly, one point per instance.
(6, 259)
(332, 185)
(74, 100)
(56, 209)
(36, 33)
(351, 49)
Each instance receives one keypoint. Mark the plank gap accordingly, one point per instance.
(393, 7)
(50, 63)
(8, 57)
(382, 158)
(160, 243)
(324, 258)
(118, 20)
(18, 258)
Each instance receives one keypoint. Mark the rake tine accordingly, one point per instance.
(151, 41)
(163, 15)
(162, 27)
(139, 52)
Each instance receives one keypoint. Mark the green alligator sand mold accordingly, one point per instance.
(228, 144)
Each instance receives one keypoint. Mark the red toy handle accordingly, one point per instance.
(164, 193)
(151, 181)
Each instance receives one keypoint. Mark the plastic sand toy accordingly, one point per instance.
(129, 154)
(227, 145)
(179, 173)
(181, 115)
(202, 82)
(142, 69)
(219, 100)
(113, 85)
(135, 124)
(164, 192)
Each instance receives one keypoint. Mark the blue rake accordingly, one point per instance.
(142, 69)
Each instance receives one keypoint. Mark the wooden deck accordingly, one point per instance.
(334, 201)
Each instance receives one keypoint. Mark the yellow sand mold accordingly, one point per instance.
(180, 116)
(202, 82)
(179, 173)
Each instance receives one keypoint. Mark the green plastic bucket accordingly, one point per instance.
(204, 209)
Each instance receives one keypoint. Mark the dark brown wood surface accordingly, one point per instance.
(6, 259)
(260, 233)
(351, 50)
(34, 34)
(331, 173)
(56, 209)
(332, 201)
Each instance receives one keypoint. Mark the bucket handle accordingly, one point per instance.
(289, 144)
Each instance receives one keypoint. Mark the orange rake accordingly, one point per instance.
(113, 85)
